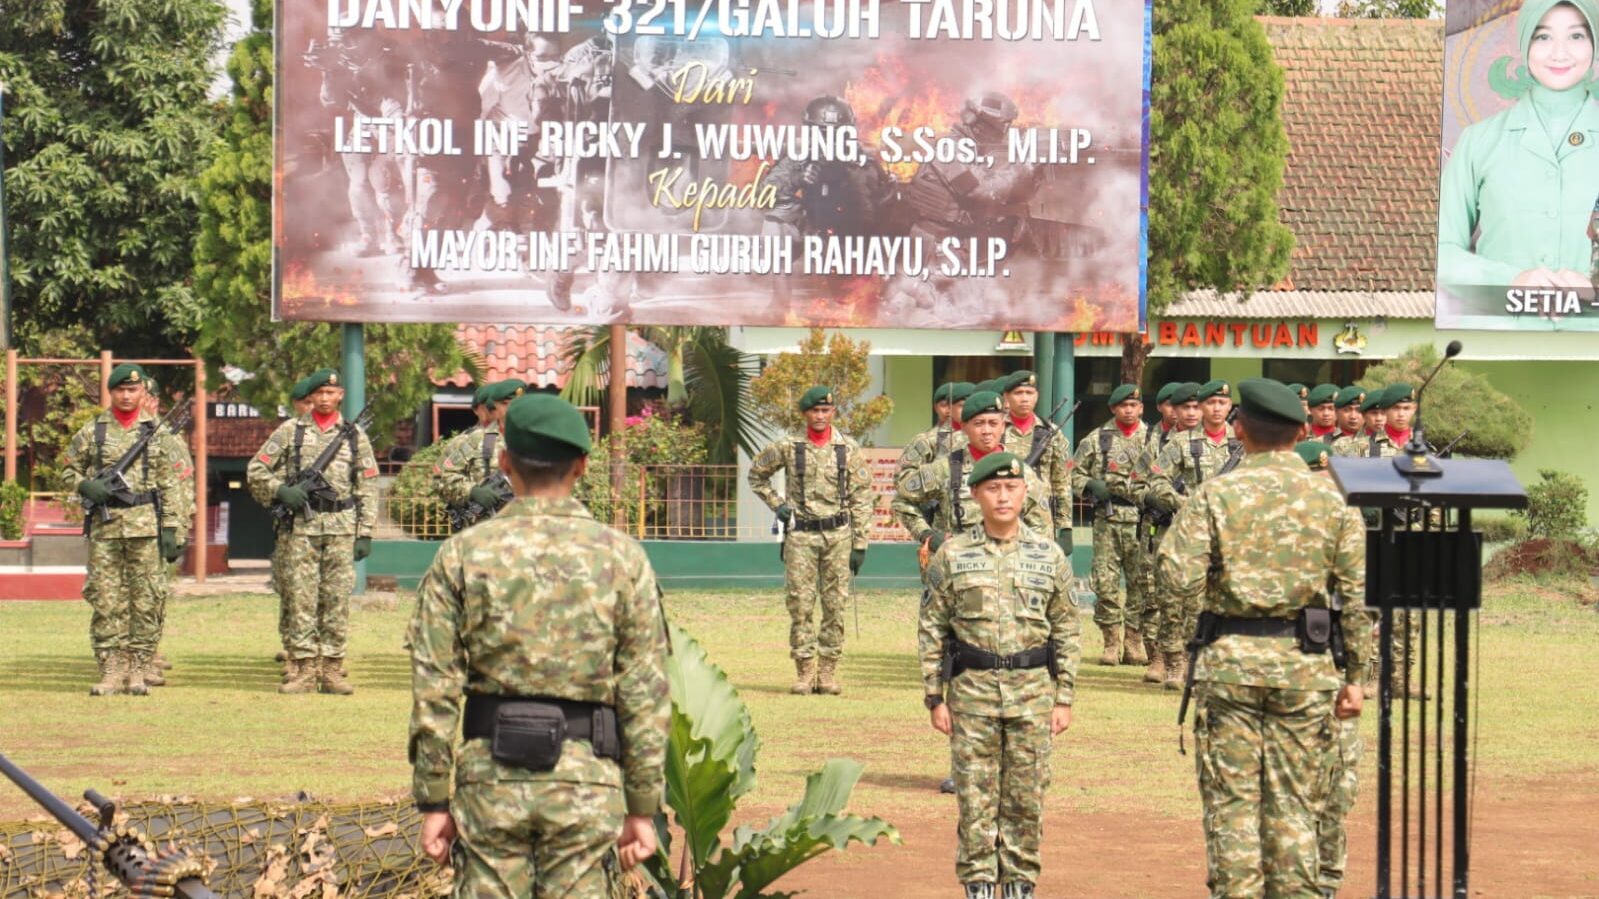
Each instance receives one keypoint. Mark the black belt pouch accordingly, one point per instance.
(528, 735)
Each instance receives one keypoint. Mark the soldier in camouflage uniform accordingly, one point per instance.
(127, 553)
(539, 613)
(1259, 549)
(176, 447)
(939, 439)
(1041, 445)
(480, 409)
(1000, 610)
(325, 540)
(1372, 441)
(1108, 472)
(474, 456)
(826, 511)
(300, 402)
(1190, 459)
(1323, 402)
(1350, 419)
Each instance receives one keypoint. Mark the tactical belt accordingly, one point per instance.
(821, 524)
(1226, 626)
(129, 500)
(1118, 501)
(343, 505)
(1317, 630)
(960, 656)
(591, 721)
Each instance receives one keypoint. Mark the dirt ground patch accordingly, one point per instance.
(1542, 556)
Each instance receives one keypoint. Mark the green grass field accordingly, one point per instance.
(220, 731)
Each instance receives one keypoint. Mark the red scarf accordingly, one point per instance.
(1216, 436)
(1024, 424)
(324, 422)
(1399, 438)
(1127, 430)
(977, 453)
(1344, 433)
(819, 438)
(126, 419)
(1319, 431)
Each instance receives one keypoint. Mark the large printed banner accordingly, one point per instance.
(850, 163)
(1518, 217)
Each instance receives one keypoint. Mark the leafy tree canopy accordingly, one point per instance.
(1458, 399)
(837, 362)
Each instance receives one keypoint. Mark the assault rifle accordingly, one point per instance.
(311, 478)
(146, 869)
(115, 475)
(474, 512)
(1450, 446)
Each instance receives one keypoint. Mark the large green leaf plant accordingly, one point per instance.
(710, 764)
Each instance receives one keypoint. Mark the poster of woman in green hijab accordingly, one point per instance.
(1520, 185)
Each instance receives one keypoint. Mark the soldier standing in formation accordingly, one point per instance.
(502, 652)
(1041, 445)
(1373, 437)
(826, 512)
(1350, 419)
(999, 648)
(940, 438)
(326, 538)
(475, 455)
(1323, 401)
(1150, 529)
(300, 401)
(176, 448)
(1107, 471)
(128, 549)
(1262, 568)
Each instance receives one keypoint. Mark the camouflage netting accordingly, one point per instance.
(263, 850)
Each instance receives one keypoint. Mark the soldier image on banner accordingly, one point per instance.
(524, 89)
(128, 484)
(540, 706)
(329, 529)
(999, 645)
(826, 512)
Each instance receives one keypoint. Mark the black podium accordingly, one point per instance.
(1424, 576)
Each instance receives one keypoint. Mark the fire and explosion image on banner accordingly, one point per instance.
(850, 163)
(1518, 215)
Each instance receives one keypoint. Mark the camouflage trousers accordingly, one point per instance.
(318, 577)
(125, 587)
(1178, 619)
(1263, 755)
(1406, 626)
(1001, 774)
(281, 539)
(816, 568)
(538, 838)
(1343, 786)
(1118, 556)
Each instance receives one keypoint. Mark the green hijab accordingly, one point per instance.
(1532, 12)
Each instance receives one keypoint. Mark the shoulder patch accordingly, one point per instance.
(370, 472)
(913, 482)
(265, 457)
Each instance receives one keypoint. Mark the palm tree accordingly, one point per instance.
(706, 377)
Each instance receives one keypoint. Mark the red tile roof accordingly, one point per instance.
(535, 354)
(1362, 112)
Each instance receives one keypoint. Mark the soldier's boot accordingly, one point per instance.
(1156, 672)
(301, 677)
(1133, 648)
(162, 662)
(137, 665)
(113, 674)
(1113, 644)
(1176, 670)
(947, 785)
(804, 676)
(332, 679)
(282, 656)
(152, 673)
(1016, 889)
(979, 890)
(827, 677)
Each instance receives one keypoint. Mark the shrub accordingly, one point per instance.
(414, 502)
(650, 438)
(1454, 404)
(1503, 529)
(12, 496)
(1556, 506)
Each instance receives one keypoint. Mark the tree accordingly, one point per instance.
(1216, 156)
(839, 363)
(233, 272)
(1388, 9)
(1288, 8)
(1458, 399)
(107, 128)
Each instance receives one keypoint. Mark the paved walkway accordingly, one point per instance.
(242, 577)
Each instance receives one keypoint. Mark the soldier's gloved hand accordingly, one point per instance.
(293, 497)
(95, 491)
(484, 497)
(857, 558)
(785, 514)
(1063, 539)
(363, 548)
(935, 539)
(1098, 489)
(171, 549)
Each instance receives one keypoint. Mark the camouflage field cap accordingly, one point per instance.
(1023, 378)
(500, 391)
(322, 377)
(983, 402)
(1164, 394)
(1394, 394)
(1219, 387)
(1350, 396)
(544, 426)
(1124, 393)
(1186, 392)
(1265, 398)
(126, 373)
(816, 396)
(1322, 393)
(1314, 452)
(995, 465)
(1375, 399)
(300, 391)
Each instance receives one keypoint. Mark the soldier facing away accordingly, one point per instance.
(128, 548)
(826, 510)
(999, 647)
(1261, 551)
(1109, 472)
(537, 619)
(326, 537)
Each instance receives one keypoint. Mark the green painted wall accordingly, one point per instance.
(909, 381)
(1562, 398)
(1234, 370)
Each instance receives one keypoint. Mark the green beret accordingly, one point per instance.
(500, 391)
(960, 390)
(480, 396)
(1314, 452)
(995, 465)
(1186, 392)
(1398, 393)
(1124, 393)
(1164, 396)
(983, 402)
(1323, 393)
(126, 373)
(1350, 396)
(993, 385)
(299, 391)
(1376, 399)
(322, 377)
(1300, 390)
(1265, 398)
(942, 392)
(1023, 378)
(544, 426)
(1219, 387)
(816, 396)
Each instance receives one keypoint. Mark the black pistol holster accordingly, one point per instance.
(528, 732)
